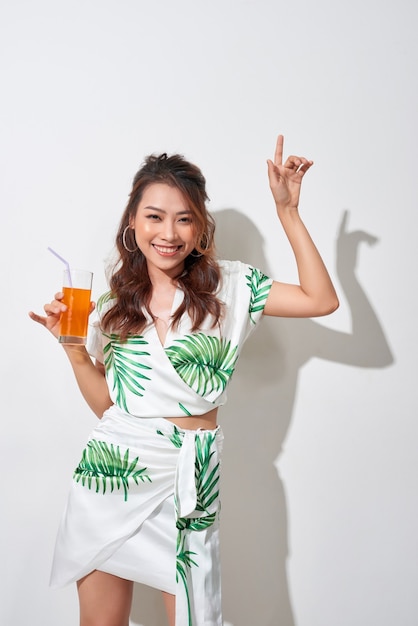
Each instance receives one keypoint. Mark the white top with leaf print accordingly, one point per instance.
(189, 374)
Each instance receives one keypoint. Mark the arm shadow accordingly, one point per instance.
(257, 418)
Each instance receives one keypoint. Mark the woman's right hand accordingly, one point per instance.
(53, 311)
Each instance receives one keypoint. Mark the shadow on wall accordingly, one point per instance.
(257, 418)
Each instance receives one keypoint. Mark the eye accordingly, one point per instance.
(185, 220)
(153, 217)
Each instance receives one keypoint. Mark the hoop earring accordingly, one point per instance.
(124, 241)
(205, 239)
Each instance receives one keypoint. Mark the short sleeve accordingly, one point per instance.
(95, 335)
(244, 292)
(259, 286)
(94, 341)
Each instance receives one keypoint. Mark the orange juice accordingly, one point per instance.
(74, 321)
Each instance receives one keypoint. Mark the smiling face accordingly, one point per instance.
(164, 229)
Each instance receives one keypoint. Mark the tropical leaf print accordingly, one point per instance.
(104, 299)
(176, 437)
(183, 408)
(103, 464)
(197, 523)
(207, 477)
(260, 285)
(122, 360)
(184, 562)
(207, 490)
(204, 362)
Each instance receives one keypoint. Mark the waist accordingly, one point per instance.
(207, 421)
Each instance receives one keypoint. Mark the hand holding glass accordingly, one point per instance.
(77, 293)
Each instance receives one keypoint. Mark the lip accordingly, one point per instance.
(166, 250)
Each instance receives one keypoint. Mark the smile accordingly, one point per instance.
(167, 250)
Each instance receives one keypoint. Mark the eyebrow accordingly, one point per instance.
(154, 208)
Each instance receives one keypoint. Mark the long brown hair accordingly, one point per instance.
(130, 284)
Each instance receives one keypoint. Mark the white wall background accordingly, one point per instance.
(320, 490)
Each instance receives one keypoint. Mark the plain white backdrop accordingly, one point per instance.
(320, 484)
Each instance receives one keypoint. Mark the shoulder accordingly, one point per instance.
(233, 269)
(237, 271)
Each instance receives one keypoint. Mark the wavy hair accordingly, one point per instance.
(129, 282)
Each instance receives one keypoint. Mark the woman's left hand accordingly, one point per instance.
(285, 180)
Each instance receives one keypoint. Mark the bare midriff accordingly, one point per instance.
(207, 421)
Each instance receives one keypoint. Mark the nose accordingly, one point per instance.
(169, 230)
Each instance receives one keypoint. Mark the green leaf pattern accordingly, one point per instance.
(184, 563)
(124, 360)
(104, 299)
(176, 437)
(183, 408)
(204, 362)
(207, 489)
(102, 464)
(259, 285)
(207, 478)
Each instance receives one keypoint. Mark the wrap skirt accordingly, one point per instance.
(144, 505)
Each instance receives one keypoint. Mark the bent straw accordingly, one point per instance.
(67, 265)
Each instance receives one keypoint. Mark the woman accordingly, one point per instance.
(144, 504)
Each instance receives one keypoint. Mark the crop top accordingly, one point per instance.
(189, 374)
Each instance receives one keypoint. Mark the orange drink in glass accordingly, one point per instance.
(77, 293)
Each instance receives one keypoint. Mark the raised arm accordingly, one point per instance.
(315, 295)
(90, 377)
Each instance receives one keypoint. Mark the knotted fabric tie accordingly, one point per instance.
(185, 481)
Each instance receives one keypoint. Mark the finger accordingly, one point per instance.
(304, 166)
(278, 155)
(37, 318)
(293, 162)
(273, 172)
(298, 163)
(55, 308)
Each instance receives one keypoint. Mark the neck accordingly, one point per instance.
(160, 278)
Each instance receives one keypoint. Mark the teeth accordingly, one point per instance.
(166, 250)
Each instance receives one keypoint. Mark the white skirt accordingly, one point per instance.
(144, 505)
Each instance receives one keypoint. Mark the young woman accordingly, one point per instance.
(144, 503)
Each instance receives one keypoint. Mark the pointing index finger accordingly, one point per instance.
(278, 155)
